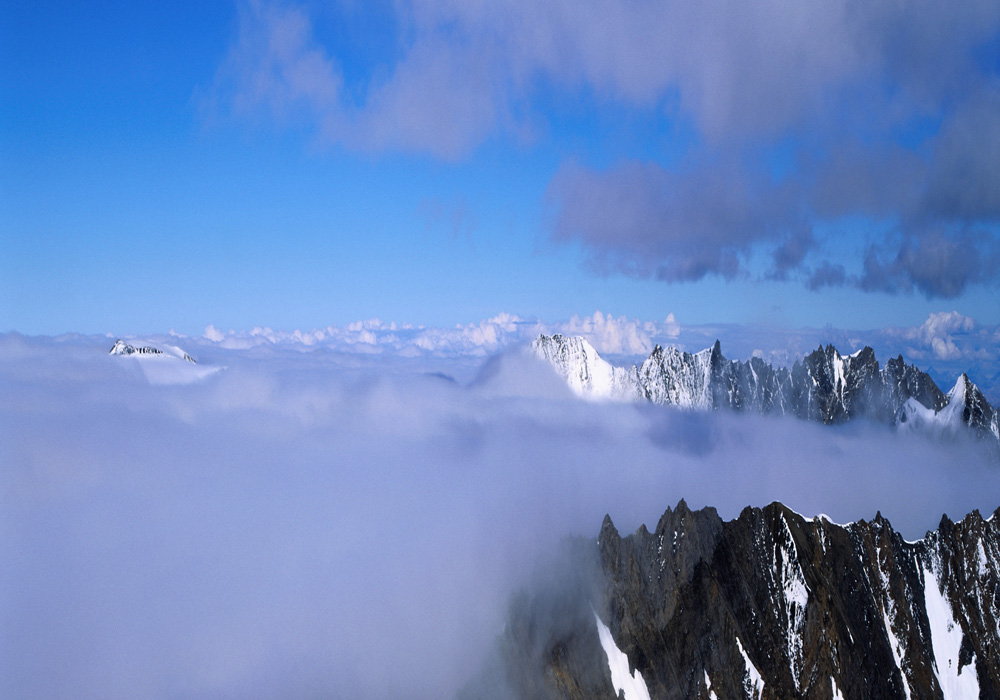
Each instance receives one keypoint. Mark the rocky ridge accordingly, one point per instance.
(769, 605)
(824, 386)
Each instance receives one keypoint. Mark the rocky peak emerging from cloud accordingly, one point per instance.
(162, 363)
(769, 605)
(824, 386)
(122, 348)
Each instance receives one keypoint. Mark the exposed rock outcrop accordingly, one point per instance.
(769, 605)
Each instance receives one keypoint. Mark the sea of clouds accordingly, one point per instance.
(311, 522)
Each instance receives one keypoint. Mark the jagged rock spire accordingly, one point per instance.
(771, 605)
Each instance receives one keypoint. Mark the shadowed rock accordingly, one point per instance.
(769, 605)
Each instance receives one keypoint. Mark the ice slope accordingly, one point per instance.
(589, 375)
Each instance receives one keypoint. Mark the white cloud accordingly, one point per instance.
(470, 67)
(376, 336)
(670, 326)
(938, 333)
(214, 334)
(608, 334)
(620, 336)
(945, 322)
(945, 349)
(276, 63)
(291, 527)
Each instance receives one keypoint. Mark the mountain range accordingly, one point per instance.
(770, 605)
(824, 386)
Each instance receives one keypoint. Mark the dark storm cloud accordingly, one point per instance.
(308, 524)
(944, 216)
(644, 220)
(965, 182)
(937, 263)
(827, 275)
(789, 255)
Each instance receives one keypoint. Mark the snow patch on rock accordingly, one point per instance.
(631, 683)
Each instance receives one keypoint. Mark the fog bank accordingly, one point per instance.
(305, 524)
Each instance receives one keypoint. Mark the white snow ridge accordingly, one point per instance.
(913, 416)
(587, 374)
(632, 684)
(957, 683)
(753, 682)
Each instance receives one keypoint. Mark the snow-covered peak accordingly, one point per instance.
(953, 412)
(582, 367)
(960, 389)
(915, 416)
(667, 376)
(122, 348)
(671, 376)
(162, 363)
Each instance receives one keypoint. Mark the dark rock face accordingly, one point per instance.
(769, 605)
(977, 412)
(903, 381)
(825, 386)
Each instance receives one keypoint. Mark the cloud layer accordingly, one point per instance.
(946, 341)
(614, 336)
(311, 523)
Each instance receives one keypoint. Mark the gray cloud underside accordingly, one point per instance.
(642, 219)
(303, 524)
(875, 109)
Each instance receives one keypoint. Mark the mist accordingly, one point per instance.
(305, 523)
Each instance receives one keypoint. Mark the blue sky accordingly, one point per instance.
(295, 165)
